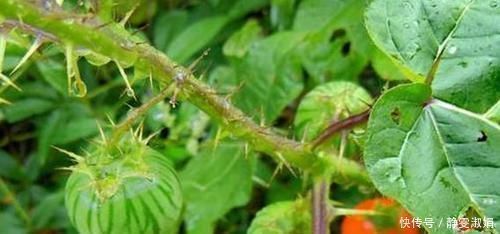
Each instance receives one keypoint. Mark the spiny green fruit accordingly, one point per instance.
(123, 188)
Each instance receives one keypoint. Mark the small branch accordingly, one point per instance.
(126, 124)
(341, 125)
(9, 25)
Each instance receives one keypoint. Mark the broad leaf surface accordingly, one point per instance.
(464, 32)
(215, 182)
(437, 159)
(336, 47)
(270, 75)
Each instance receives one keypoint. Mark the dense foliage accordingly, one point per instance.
(248, 116)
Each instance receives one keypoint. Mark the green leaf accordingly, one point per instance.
(26, 108)
(242, 7)
(48, 209)
(283, 218)
(336, 47)
(11, 224)
(463, 33)
(270, 75)
(72, 129)
(9, 167)
(67, 124)
(167, 26)
(313, 15)
(54, 72)
(36, 98)
(282, 13)
(239, 43)
(385, 67)
(195, 38)
(338, 99)
(436, 159)
(45, 135)
(215, 182)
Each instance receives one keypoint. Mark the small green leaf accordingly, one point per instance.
(239, 43)
(9, 167)
(283, 218)
(25, 108)
(96, 59)
(11, 224)
(47, 210)
(436, 159)
(54, 73)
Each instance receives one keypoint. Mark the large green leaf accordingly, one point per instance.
(270, 75)
(463, 33)
(437, 159)
(337, 47)
(215, 182)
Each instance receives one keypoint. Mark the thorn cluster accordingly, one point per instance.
(108, 166)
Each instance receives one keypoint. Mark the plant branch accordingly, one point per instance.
(126, 124)
(338, 126)
(117, 44)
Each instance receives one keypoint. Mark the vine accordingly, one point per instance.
(53, 24)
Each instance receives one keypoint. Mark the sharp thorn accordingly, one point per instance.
(36, 44)
(9, 82)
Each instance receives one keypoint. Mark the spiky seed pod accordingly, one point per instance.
(124, 188)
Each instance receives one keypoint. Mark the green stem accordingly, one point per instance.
(126, 124)
(119, 46)
(320, 211)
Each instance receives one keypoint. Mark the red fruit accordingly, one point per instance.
(362, 224)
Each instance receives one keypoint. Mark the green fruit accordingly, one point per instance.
(287, 217)
(128, 188)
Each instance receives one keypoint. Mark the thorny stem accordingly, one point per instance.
(120, 46)
(126, 124)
